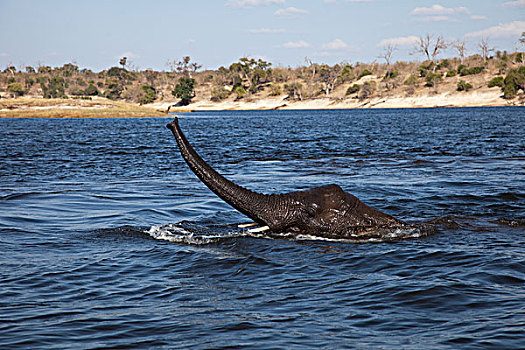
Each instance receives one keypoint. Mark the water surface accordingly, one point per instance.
(109, 240)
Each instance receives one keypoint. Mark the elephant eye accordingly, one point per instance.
(311, 210)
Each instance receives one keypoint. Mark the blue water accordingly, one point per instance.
(109, 241)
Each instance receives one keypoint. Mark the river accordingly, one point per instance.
(109, 240)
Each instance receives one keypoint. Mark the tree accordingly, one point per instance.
(485, 49)
(294, 90)
(430, 47)
(184, 66)
(461, 47)
(123, 61)
(55, 87)
(184, 90)
(312, 66)
(254, 71)
(388, 51)
(522, 42)
(514, 81)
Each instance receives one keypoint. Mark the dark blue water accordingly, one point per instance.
(109, 241)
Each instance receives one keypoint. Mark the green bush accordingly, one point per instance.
(91, 90)
(443, 64)
(424, 69)
(391, 75)
(114, 90)
(276, 90)
(148, 94)
(451, 73)
(464, 70)
(432, 79)
(364, 73)
(411, 80)
(240, 92)
(219, 94)
(497, 81)
(463, 86)
(16, 89)
(353, 89)
(77, 92)
(294, 90)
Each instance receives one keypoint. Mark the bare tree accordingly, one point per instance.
(430, 47)
(388, 51)
(461, 48)
(184, 66)
(311, 65)
(485, 48)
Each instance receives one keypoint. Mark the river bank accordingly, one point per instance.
(488, 97)
(26, 107)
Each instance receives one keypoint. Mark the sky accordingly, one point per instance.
(96, 34)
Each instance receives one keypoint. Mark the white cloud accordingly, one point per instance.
(399, 41)
(337, 44)
(334, 1)
(243, 4)
(3, 54)
(436, 19)
(265, 31)
(516, 3)
(478, 18)
(436, 10)
(503, 30)
(290, 12)
(301, 44)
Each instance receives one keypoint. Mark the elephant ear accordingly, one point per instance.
(255, 205)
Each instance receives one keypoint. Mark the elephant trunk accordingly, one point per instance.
(255, 205)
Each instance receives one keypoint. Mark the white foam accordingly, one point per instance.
(177, 234)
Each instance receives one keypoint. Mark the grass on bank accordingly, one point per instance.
(27, 107)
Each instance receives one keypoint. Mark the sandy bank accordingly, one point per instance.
(103, 108)
(479, 98)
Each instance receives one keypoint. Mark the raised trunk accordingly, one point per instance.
(255, 205)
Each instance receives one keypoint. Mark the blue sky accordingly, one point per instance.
(95, 34)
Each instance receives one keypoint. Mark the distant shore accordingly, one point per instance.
(25, 107)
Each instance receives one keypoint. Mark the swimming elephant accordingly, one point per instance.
(325, 211)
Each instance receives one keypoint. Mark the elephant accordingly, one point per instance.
(325, 211)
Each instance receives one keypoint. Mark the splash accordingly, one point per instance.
(186, 233)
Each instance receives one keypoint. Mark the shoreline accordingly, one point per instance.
(479, 98)
(25, 107)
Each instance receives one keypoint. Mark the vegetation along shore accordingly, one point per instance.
(492, 78)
